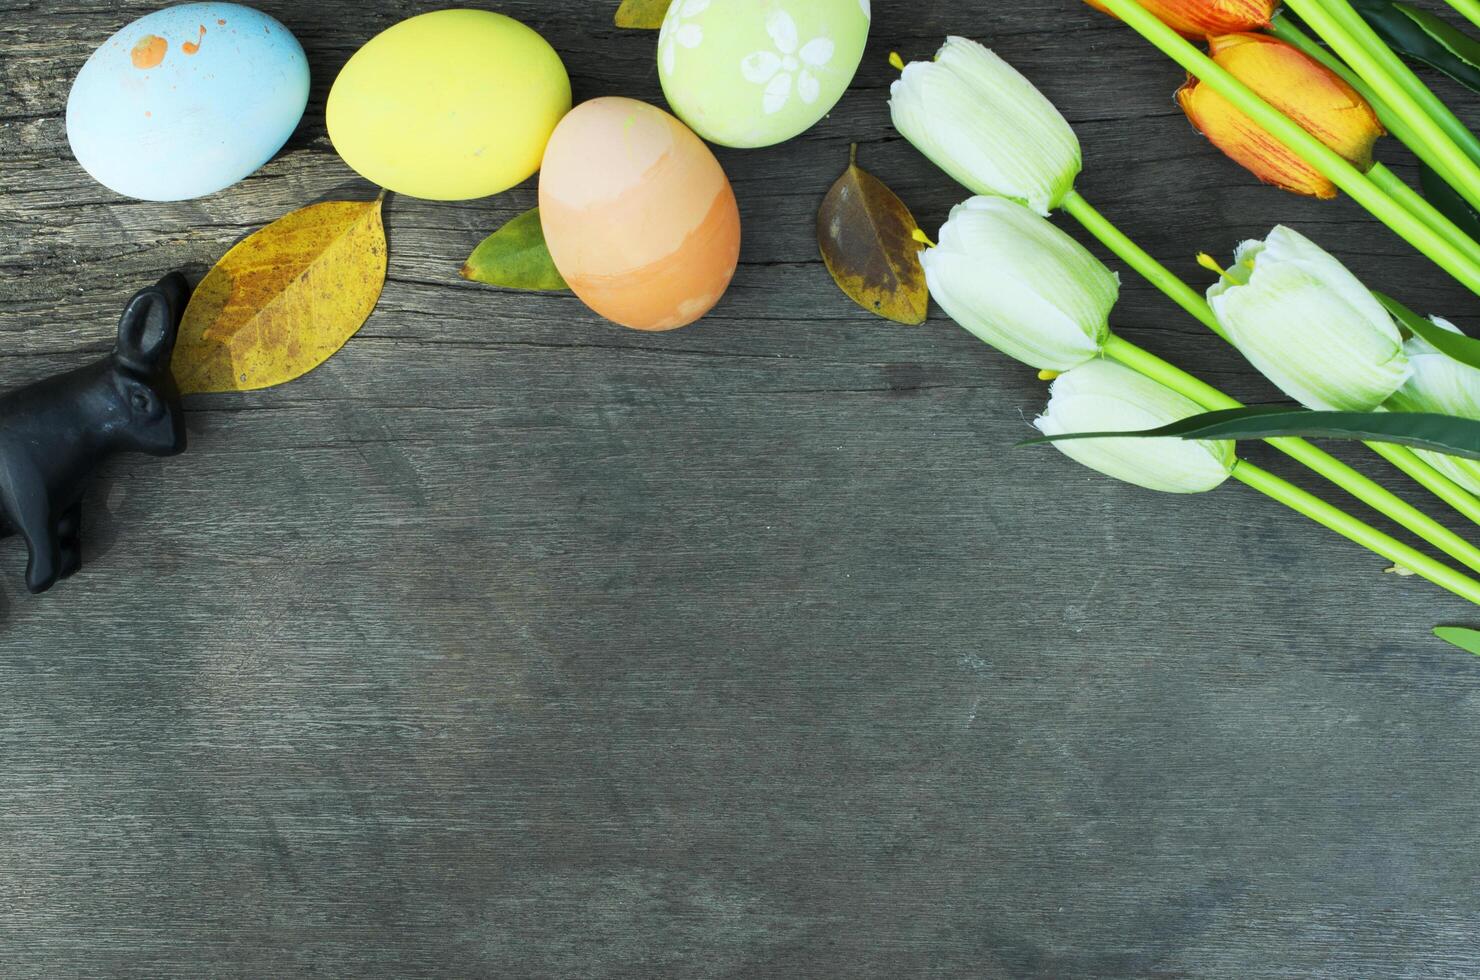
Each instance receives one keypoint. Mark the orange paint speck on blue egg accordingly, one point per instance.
(149, 51)
(638, 214)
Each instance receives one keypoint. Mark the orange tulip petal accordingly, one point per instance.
(1304, 90)
(1205, 18)
(1248, 145)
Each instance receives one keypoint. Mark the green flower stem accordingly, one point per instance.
(1137, 258)
(1469, 9)
(1354, 530)
(1365, 490)
(1368, 491)
(1429, 478)
(1380, 175)
(1360, 47)
(1420, 208)
(1282, 28)
(1330, 163)
(1394, 68)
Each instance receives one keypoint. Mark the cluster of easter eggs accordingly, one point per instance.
(638, 215)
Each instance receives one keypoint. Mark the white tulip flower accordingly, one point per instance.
(1103, 396)
(1309, 325)
(1021, 284)
(986, 125)
(1445, 386)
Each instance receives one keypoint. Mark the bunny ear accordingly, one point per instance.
(177, 289)
(146, 334)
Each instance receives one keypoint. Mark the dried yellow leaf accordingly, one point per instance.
(642, 15)
(283, 300)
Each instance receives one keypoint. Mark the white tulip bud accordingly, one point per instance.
(1021, 284)
(1309, 325)
(1103, 396)
(1443, 385)
(986, 125)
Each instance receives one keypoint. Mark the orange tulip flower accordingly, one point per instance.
(1206, 18)
(1298, 86)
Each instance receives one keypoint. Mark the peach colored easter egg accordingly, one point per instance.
(638, 214)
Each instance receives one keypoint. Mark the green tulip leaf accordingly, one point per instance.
(1466, 639)
(1424, 37)
(1448, 201)
(515, 257)
(642, 15)
(1464, 349)
(1420, 430)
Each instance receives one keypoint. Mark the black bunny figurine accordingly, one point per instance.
(55, 432)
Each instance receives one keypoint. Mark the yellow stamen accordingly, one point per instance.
(1047, 375)
(896, 61)
(922, 238)
(1211, 264)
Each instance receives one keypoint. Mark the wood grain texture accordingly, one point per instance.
(510, 643)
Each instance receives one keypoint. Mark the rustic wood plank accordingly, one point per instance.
(510, 643)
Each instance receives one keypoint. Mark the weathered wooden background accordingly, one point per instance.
(511, 643)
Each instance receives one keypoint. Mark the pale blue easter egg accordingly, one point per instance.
(187, 101)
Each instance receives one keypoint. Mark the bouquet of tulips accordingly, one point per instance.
(1360, 365)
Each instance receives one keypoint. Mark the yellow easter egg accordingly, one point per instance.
(450, 105)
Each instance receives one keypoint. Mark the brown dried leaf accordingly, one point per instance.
(866, 236)
(642, 15)
(283, 300)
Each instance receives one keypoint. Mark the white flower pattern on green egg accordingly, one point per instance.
(689, 34)
(776, 69)
(750, 73)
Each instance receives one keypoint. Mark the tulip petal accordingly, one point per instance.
(1310, 326)
(1102, 396)
(986, 125)
(1438, 383)
(1017, 282)
(1248, 145)
(1299, 86)
(1441, 384)
(1203, 18)
(1305, 90)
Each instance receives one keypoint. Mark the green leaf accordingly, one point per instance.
(1448, 201)
(642, 15)
(515, 257)
(1464, 349)
(1424, 37)
(1420, 430)
(1467, 640)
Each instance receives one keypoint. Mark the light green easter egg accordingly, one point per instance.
(753, 73)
